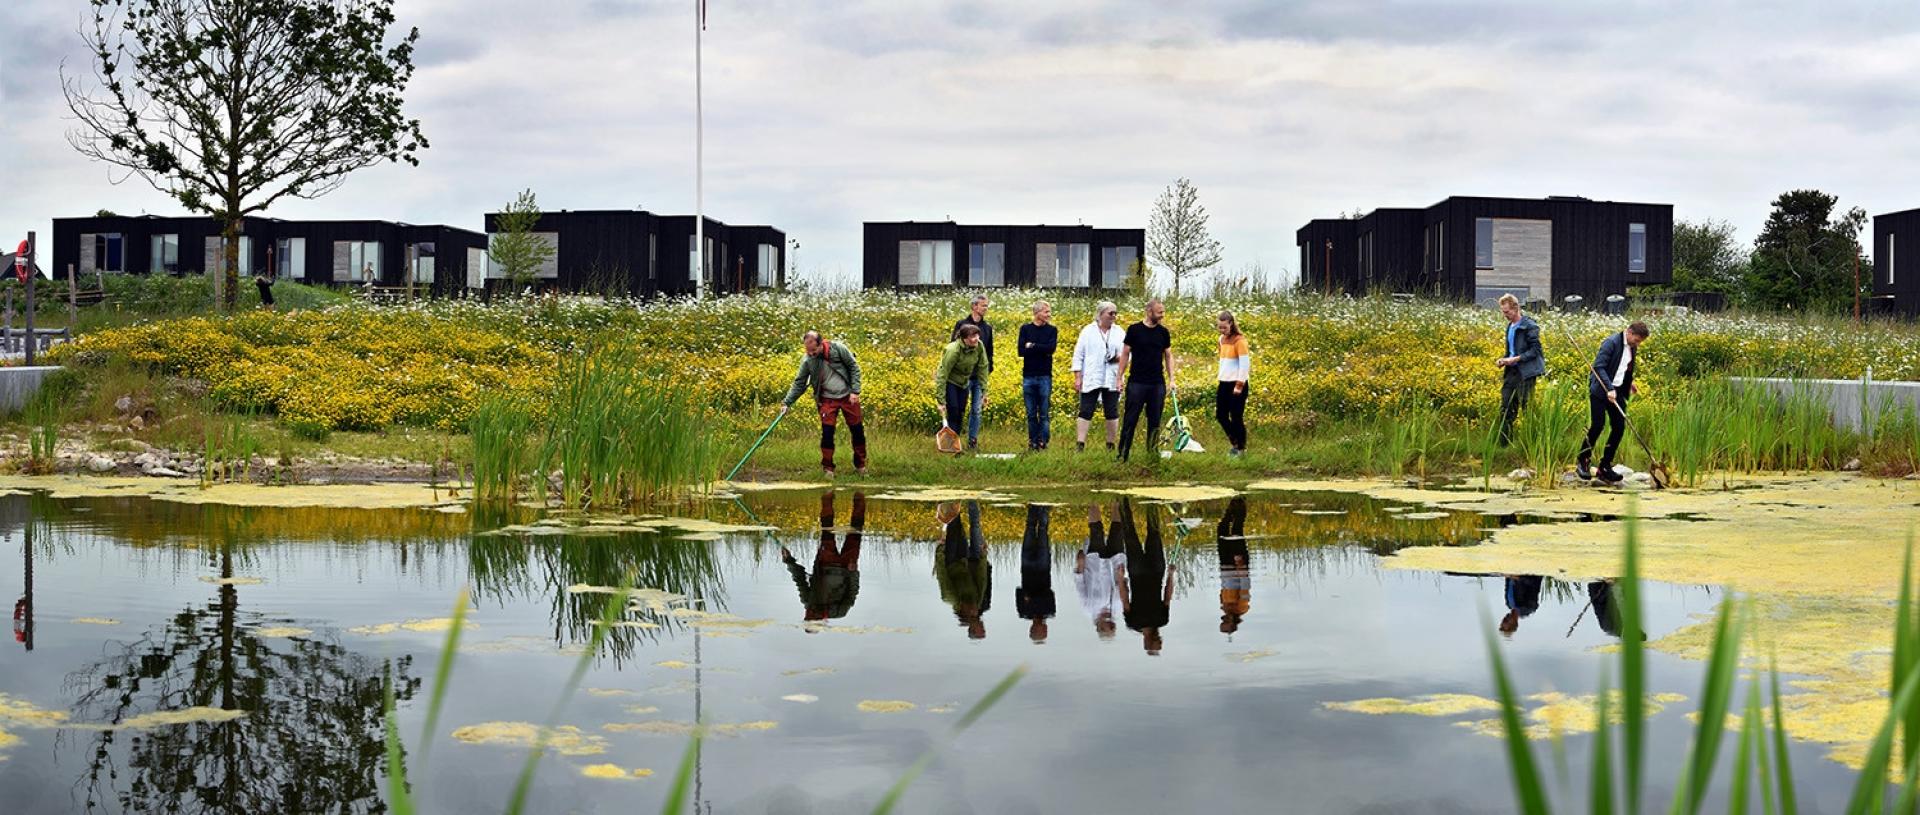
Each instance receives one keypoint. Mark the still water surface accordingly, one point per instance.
(1179, 656)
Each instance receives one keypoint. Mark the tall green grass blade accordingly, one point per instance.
(1600, 800)
(1869, 792)
(1716, 688)
(972, 715)
(1788, 805)
(443, 673)
(1633, 665)
(1750, 724)
(683, 778)
(1763, 763)
(398, 795)
(524, 785)
(1529, 793)
(1906, 658)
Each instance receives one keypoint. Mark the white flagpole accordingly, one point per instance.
(699, 158)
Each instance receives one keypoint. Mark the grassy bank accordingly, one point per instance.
(1339, 386)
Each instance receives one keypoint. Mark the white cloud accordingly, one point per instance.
(822, 116)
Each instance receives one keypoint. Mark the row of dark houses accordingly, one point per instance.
(1465, 248)
(612, 252)
(1541, 250)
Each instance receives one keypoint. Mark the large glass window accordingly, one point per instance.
(165, 254)
(767, 266)
(109, 252)
(422, 263)
(1071, 264)
(1483, 243)
(290, 258)
(363, 261)
(1890, 237)
(1636, 248)
(1117, 261)
(217, 254)
(986, 264)
(926, 263)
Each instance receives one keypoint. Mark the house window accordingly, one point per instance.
(653, 257)
(1489, 296)
(1637, 248)
(1890, 237)
(109, 252)
(290, 258)
(363, 261)
(986, 264)
(1071, 262)
(1483, 243)
(926, 263)
(1117, 261)
(217, 254)
(1440, 246)
(422, 263)
(767, 270)
(165, 254)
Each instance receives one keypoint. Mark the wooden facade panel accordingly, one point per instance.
(1030, 252)
(1896, 262)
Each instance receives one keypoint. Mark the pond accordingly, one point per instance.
(1181, 656)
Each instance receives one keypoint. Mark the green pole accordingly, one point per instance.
(756, 445)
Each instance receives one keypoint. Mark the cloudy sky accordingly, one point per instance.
(821, 115)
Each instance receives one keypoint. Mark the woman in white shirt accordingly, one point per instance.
(1096, 373)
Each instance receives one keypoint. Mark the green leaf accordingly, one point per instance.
(1528, 791)
(683, 778)
(1788, 806)
(398, 795)
(615, 604)
(1600, 801)
(1633, 665)
(1716, 688)
(443, 673)
(1750, 725)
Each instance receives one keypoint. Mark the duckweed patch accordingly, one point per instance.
(281, 632)
(427, 626)
(566, 740)
(94, 621)
(1177, 493)
(337, 496)
(885, 706)
(663, 727)
(1432, 704)
(232, 581)
(612, 772)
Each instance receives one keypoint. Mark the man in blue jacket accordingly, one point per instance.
(1609, 383)
(1523, 365)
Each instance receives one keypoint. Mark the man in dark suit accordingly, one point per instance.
(1609, 383)
(1524, 364)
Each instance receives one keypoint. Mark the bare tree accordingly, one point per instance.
(1177, 238)
(230, 105)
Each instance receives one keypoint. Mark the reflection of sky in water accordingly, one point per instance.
(1098, 726)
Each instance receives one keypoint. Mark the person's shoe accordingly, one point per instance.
(1583, 470)
(827, 473)
(1608, 476)
(1079, 446)
(1236, 452)
(860, 470)
(1109, 447)
(973, 447)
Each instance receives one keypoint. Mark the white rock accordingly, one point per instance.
(123, 404)
(102, 464)
(1522, 474)
(1571, 478)
(1637, 479)
(1622, 470)
(148, 459)
(136, 423)
(164, 472)
(1853, 464)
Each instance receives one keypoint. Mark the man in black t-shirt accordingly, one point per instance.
(1150, 346)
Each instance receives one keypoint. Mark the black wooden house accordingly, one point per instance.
(1477, 249)
(919, 254)
(1896, 287)
(640, 254)
(436, 258)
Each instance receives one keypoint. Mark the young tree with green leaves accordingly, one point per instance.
(1707, 258)
(229, 106)
(514, 246)
(1805, 255)
(1177, 237)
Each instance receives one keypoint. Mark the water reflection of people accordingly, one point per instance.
(1034, 599)
(1145, 602)
(960, 566)
(1094, 570)
(1605, 611)
(1236, 574)
(835, 583)
(1523, 599)
(23, 607)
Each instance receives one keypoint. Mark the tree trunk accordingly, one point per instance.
(230, 265)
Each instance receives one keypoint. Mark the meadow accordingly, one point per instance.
(1339, 385)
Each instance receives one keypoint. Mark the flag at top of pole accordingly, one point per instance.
(698, 272)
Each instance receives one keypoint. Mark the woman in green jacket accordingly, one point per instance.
(962, 364)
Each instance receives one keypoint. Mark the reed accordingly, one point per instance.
(503, 455)
(1549, 430)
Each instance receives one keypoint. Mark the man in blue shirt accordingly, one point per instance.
(1523, 364)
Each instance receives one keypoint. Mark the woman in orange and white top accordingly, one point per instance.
(1230, 402)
